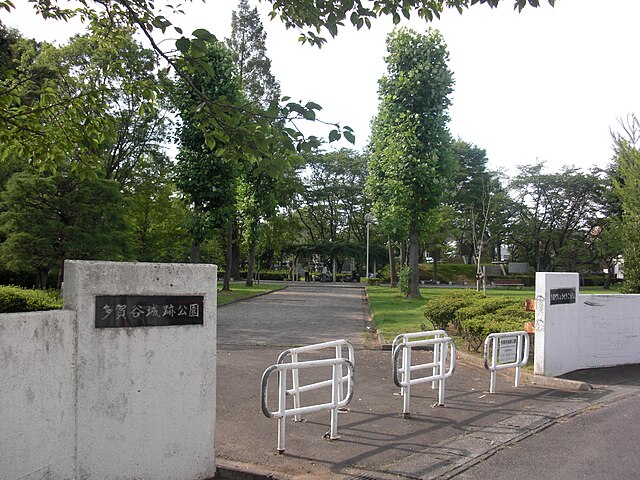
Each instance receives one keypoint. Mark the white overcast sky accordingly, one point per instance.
(546, 84)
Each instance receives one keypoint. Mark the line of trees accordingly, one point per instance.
(84, 171)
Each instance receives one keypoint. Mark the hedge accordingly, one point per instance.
(476, 329)
(475, 316)
(491, 315)
(441, 310)
(16, 299)
(479, 307)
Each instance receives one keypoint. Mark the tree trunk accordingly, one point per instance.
(250, 263)
(609, 277)
(414, 261)
(60, 276)
(393, 273)
(42, 275)
(235, 245)
(435, 269)
(227, 270)
(195, 252)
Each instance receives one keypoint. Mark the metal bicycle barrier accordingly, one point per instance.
(444, 348)
(296, 390)
(405, 337)
(508, 350)
(339, 398)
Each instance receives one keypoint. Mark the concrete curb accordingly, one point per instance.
(525, 377)
(253, 296)
(530, 378)
(238, 471)
(553, 382)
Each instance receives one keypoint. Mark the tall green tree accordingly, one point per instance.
(411, 162)
(627, 187)
(206, 177)
(471, 194)
(50, 218)
(248, 44)
(121, 74)
(88, 105)
(331, 206)
(260, 184)
(557, 212)
(187, 56)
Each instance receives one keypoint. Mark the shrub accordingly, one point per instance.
(476, 329)
(474, 316)
(481, 306)
(16, 299)
(491, 315)
(440, 311)
(403, 280)
(593, 280)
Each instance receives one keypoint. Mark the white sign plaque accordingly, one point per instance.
(507, 349)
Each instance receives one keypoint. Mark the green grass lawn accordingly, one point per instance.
(394, 314)
(240, 291)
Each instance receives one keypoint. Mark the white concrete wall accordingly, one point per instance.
(555, 348)
(79, 402)
(145, 395)
(37, 395)
(595, 331)
(609, 330)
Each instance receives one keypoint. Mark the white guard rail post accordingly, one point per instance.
(339, 399)
(446, 348)
(508, 350)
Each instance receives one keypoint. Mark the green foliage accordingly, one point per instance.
(554, 224)
(410, 161)
(483, 209)
(476, 329)
(204, 174)
(268, 182)
(88, 105)
(474, 316)
(332, 203)
(441, 311)
(157, 217)
(15, 299)
(403, 281)
(47, 219)
(331, 16)
(627, 187)
(248, 44)
(482, 306)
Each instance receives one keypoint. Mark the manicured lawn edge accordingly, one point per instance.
(240, 292)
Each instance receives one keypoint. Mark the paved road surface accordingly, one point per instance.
(600, 443)
(376, 442)
(295, 316)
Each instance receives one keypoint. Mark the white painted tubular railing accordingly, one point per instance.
(507, 350)
(294, 353)
(406, 338)
(445, 348)
(339, 397)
